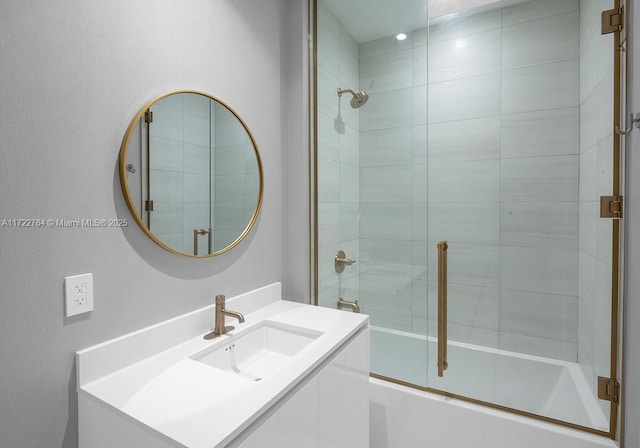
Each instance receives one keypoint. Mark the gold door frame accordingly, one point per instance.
(620, 58)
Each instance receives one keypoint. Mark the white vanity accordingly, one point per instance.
(292, 375)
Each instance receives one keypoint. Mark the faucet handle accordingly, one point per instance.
(220, 299)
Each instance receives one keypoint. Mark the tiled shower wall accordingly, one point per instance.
(596, 142)
(507, 179)
(338, 166)
(499, 180)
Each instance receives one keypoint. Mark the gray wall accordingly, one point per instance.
(631, 373)
(73, 74)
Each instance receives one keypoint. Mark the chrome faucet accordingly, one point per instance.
(219, 328)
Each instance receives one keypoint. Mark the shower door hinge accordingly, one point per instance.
(612, 21)
(148, 117)
(148, 206)
(611, 206)
(608, 389)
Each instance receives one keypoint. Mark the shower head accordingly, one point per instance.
(358, 100)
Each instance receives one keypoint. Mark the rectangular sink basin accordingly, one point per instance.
(259, 351)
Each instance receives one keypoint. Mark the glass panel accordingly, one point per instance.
(372, 175)
(490, 128)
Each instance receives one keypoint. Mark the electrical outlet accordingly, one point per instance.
(78, 294)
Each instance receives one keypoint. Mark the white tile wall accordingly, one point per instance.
(539, 269)
(466, 181)
(386, 72)
(385, 183)
(387, 147)
(538, 179)
(539, 224)
(533, 10)
(470, 222)
(389, 109)
(464, 140)
(508, 152)
(464, 57)
(461, 99)
(550, 39)
(538, 87)
(338, 159)
(541, 133)
(539, 315)
(385, 220)
(465, 25)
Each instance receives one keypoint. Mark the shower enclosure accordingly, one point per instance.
(458, 196)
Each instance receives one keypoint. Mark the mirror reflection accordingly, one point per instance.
(191, 174)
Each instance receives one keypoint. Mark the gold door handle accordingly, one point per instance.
(197, 232)
(442, 307)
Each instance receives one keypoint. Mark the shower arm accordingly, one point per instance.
(341, 91)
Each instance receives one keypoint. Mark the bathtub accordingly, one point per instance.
(404, 417)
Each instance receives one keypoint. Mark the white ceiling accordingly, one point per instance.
(372, 19)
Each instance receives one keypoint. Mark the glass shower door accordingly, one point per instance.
(520, 149)
(472, 176)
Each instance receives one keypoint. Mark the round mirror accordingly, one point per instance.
(191, 174)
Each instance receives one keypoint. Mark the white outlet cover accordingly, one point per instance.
(78, 294)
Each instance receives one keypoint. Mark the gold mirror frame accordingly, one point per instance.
(122, 168)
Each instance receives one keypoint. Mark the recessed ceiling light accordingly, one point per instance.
(401, 36)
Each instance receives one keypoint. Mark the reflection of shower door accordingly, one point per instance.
(492, 131)
(180, 164)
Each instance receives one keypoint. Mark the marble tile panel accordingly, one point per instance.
(386, 72)
(462, 99)
(386, 147)
(349, 183)
(328, 48)
(539, 224)
(589, 217)
(536, 269)
(464, 140)
(550, 39)
(539, 315)
(473, 222)
(469, 181)
(541, 133)
(385, 258)
(387, 110)
(385, 184)
(464, 57)
(464, 25)
(589, 122)
(540, 179)
(533, 10)
(538, 87)
(385, 221)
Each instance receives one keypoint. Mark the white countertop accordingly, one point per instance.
(199, 406)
